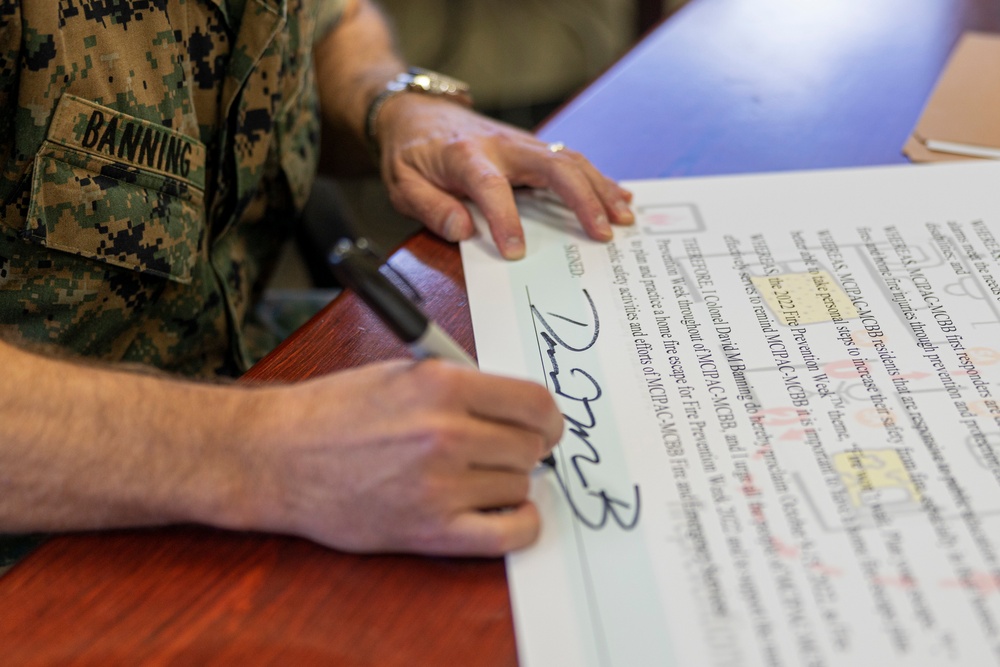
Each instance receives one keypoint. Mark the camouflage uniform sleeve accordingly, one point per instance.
(329, 14)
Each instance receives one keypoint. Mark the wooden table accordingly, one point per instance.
(724, 86)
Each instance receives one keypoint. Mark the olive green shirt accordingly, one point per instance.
(151, 156)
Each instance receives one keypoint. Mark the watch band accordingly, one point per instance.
(414, 80)
(372, 116)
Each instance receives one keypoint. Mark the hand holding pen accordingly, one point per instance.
(355, 267)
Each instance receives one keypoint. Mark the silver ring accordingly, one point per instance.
(556, 146)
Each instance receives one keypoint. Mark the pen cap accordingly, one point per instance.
(357, 270)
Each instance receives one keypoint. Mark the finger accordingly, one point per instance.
(464, 442)
(483, 182)
(595, 200)
(454, 389)
(439, 211)
(613, 198)
(498, 446)
(488, 489)
(577, 192)
(454, 444)
(485, 533)
(516, 402)
(483, 420)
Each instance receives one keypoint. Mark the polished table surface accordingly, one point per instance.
(724, 86)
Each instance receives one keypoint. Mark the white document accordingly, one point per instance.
(782, 419)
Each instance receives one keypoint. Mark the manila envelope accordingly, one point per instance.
(965, 105)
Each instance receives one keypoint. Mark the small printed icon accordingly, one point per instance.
(669, 218)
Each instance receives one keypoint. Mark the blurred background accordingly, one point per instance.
(523, 58)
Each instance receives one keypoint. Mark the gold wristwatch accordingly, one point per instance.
(415, 80)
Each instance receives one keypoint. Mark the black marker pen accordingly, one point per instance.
(355, 268)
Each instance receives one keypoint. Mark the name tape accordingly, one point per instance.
(107, 133)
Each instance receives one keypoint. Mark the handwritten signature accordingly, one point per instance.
(593, 507)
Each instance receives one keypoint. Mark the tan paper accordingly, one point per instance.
(965, 105)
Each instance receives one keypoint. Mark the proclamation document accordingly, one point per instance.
(781, 397)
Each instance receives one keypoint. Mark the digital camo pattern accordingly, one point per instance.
(150, 158)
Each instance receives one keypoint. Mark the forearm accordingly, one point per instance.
(353, 64)
(387, 457)
(84, 447)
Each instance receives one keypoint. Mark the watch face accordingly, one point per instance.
(435, 83)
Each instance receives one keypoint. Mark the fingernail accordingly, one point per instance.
(452, 229)
(603, 226)
(513, 247)
(624, 213)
